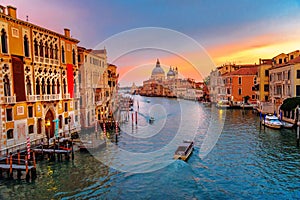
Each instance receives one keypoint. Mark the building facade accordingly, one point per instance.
(93, 83)
(38, 82)
(262, 86)
(239, 84)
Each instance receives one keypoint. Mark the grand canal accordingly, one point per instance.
(245, 162)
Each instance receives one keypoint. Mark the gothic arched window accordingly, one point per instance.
(74, 57)
(64, 86)
(53, 86)
(28, 86)
(56, 52)
(51, 51)
(58, 87)
(43, 87)
(37, 87)
(6, 86)
(62, 54)
(36, 48)
(4, 41)
(26, 46)
(41, 49)
(48, 86)
(46, 50)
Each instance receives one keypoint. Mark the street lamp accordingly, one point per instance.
(48, 124)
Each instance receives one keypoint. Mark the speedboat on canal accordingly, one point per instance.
(272, 121)
(184, 150)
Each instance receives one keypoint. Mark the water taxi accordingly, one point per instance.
(184, 150)
(272, 121)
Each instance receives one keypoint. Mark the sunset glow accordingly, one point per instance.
(225, 29)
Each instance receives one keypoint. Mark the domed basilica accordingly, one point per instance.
(170, 86)
(158, 73)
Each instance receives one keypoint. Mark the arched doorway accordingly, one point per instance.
(49, 124)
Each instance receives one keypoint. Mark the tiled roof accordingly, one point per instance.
(295, 60)
(244, 71)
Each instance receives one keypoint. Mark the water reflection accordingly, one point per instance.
(246, 162)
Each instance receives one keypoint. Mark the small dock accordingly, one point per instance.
(18, 163)
(57, 150)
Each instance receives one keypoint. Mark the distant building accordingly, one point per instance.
(170, 85)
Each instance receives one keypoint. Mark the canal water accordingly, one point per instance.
(233, 159)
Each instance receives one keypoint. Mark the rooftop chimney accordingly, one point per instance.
(2, 9)
(67, 32)
(12, 11)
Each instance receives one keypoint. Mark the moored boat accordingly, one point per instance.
(272, 121)
(184, 150)
(223, 104)
(287, 124)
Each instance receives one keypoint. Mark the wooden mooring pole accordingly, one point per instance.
(298, 135)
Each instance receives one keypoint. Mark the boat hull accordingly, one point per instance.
(274, 126)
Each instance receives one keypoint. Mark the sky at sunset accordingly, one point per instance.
(227, 31)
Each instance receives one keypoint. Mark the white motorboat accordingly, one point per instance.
(272, 121)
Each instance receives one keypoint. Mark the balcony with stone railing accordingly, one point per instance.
(9, 99)
(46, 60)
(33, 98)
(66, 96)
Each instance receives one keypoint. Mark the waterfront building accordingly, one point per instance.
(91, 80)
(284, 80)
(98, 87)
(239, 84)
(262, 82)
(38, 82)
(216, 86)
(112, 97)
(217, 89)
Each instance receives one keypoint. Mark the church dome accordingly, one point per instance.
(158, 71)
(171, 72)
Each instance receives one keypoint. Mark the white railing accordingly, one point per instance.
(33, 97)
(66, 96)
(55, 96)
(10, 99)
(46, 97)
